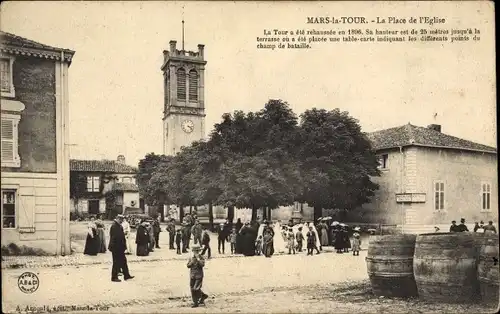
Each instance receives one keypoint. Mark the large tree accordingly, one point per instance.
(336, 161)
(258, 169)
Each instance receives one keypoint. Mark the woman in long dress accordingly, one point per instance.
(126, 230)
(100, 232)
(279, 242)
(142, 240)
(324, 234)
(92, 242)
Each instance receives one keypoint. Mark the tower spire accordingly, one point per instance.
(182, 28)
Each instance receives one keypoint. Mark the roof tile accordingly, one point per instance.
(409, 134)
(100, 166)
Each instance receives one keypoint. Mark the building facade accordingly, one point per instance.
(184, 98)
(35, 157)
(103, 187)
(429, 178)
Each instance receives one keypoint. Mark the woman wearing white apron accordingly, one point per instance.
(279, 243)
(126, 230)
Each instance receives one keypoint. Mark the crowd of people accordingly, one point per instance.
(478, 227)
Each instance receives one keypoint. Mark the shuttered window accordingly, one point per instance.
(193, 86)
(181, 84)
(9, 144)
(7, 140)
(8, 209)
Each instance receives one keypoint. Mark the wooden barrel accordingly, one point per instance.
(445, 267)
(390, 265)
(488, 270)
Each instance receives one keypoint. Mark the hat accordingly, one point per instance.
(320, 218)
(195, 247)
(453, 221)
(357, 228)
(120, 216)
(462, 220)
(482, 222)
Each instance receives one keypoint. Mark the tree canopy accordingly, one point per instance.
(268, 159)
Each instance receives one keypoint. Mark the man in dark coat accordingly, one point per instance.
(454, 227)
(156, 231)
(117, 246)
(462, 227)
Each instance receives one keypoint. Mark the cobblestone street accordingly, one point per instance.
(159, 283)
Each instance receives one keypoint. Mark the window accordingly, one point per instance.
(382, 161)
(6, 77)
(193, 86)
(93, 183)
(10, 142)
(439, 195)
(181, 84)
(9, 209)
(485, 196)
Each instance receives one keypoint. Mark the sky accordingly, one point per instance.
(116, 85)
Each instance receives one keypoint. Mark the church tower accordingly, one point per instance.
(184, 99)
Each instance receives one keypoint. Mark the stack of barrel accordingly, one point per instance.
(437, 267)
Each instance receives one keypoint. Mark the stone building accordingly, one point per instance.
(102, 186)
(35, 157)
(430, 178)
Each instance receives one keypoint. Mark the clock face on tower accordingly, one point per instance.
(187, 126)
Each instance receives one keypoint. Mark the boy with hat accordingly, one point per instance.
(178, 240)
(195, 265)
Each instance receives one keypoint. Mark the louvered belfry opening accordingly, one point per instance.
(181, 84)
(193, 86)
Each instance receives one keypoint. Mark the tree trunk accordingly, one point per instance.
(254, 213)
(264, 213)
(318, 212)
(268, 213)
(191, 209)
(181, 213)
(230, 214)
(161, 208)
(211, 216)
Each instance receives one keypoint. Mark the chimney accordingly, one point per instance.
(121, 159)
(435, 127)
(173, 43)
(201, 50)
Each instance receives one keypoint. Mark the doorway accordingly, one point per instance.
(93, 207)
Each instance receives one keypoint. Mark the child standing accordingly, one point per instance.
(356, 242)
(195, 265)
(232, 240)
(291, 241)
(178, 240)
(258, 245)
(300, 238)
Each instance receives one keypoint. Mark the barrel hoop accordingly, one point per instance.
(389, 259)
(489, 281)
(385, 274)
(435, 283)
(416, 259)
